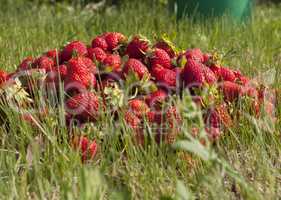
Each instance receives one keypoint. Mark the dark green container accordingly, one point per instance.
(237, 9)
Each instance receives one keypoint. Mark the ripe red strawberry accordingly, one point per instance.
(90, 64)
(173, 117)
(132, 120)
(210, 76)
(26, 64)
(87, 148)
(155, 117)
(79, 74)
(112, 62)
(137, 47)
(156, 99)
(96, 54)
(231, 91)
(244, 80)
(11, 75)
(227, 74)
(83, 106)
(100, 42)
(44, 62)
(224, 115)
(193, 74)
(164, 76)
(62, 69)
(218, 117)
(206, 57)
(195, 54)
(169, 130)
(75, 48)
(216, 70)
(138, 107)
(135, 124)
(160, 57)
(55, 55)
(58, 73)
(3, 76)
(135, 66)
(166, 47)
(113, 39)
(249, 91)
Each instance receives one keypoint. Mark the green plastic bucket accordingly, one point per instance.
(237, 9)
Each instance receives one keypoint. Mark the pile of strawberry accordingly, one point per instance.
(94, 77)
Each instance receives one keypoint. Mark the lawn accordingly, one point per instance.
(246, 162)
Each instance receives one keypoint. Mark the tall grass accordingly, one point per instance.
(38, 163)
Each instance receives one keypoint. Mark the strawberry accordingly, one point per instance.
(166, 47)
(154, 117)
(194, 54)
(216, 70)
(224, 73)
(135, 124)
(93, 149)
(249, 91)
(164, 76)
(112, 62)
(62, 69)
(138, 107)
(96, 54)
(100, 42)
(135, 66)
(227, 74)
(83, 144)
(11, 75)
(193, 74)
(113, 39)
(58, 73)
(90, 64)
(26, 64)
(160, 57)
(87, 148)
(173, 117)
(3, 76)
(137, 47)
(218, 116)
(210, 76)
(79, 74)
(231, 91)
(156, 99)
(224, 115)
(44, 62)
(206, 57)
(75, 48)
(132, 120)
(237, 73)
(54, 54)
(83, 106)
(244, 80)
(169, 130)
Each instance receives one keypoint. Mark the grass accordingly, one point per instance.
(125, 171)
